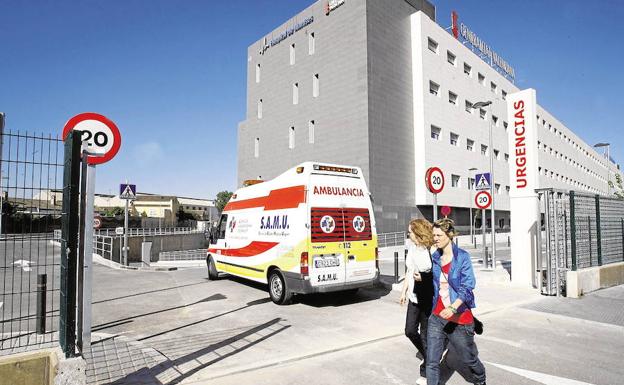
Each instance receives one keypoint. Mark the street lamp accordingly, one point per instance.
(471, 201)
(607, 145)
(489, 105)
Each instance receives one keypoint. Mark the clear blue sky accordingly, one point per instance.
(172, 74)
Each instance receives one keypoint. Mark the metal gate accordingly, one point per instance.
(579, 231)
(36, 277)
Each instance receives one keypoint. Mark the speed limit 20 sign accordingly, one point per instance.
(101, 134)
(483, 200)
(435, 180)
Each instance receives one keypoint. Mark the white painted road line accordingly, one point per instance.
(542, 378)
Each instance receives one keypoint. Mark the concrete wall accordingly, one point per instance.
(173, 242)
(587, 280)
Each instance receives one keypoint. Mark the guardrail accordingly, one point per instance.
(154, 231)
(183, 255)
(391, 239)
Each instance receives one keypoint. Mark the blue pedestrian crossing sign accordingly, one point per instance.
(127, 191)
(483, 181)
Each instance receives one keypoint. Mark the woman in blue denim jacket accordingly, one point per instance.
(451, 320)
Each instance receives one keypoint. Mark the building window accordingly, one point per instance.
(470, 145)
(315, 85)
(311, 131)
(493, 87)
(506, 157)
(467, 69)
(434, 88)
(505, 125)
(482, 113)
(468, 107)
(496, 154)
(291, 138)
(454, 139)
(497, 188)
(450, 57)
(432, 44)
(452, 98)
(495, 120)
(257, 148)
(454, 180)
(435, 132)
(471, 183)
(481, 79)
(292, 54)
(295, 93)
(258, 73)
(311, 45)
(504, 94)
(484, 150)
(260, 109)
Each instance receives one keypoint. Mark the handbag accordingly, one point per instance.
(478, 325)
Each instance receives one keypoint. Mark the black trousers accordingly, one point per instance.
(417, 318)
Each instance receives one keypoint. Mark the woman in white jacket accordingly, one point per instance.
(418, 287)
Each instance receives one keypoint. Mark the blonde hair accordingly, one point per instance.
(448, 226)
(422, 229)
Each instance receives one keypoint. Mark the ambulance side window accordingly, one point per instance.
(222, 226)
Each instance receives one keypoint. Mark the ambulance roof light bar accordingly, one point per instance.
(347, 170)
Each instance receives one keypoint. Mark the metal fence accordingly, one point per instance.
(183, 255)
(103, 246)
(581, 231)
(137, 232)
(31, 166)
(391, 239)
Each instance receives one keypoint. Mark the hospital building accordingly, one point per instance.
(381, 85)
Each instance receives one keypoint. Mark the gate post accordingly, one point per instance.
(572, 232)
(598, 231)
(69, 244)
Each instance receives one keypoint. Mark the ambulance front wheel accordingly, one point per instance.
(278, 291)
(213, 274)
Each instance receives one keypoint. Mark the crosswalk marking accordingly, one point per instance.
(542, 378)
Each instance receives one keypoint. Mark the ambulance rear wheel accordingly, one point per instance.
(213, 274)
(278, 291)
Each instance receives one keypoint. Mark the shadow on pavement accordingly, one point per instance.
(185, 361)
(147, 292)
(342, 298)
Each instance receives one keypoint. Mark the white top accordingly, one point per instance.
(417, 260)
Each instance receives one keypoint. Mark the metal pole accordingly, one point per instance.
(125, 237)
(42, 284)
(492, 209)
(471, 228)
(483, 224)
(88, 259)
(396, 267)
(435, 207)
(608, 172)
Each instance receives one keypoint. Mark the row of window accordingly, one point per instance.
(569, 140)
(572, 182)
(470, 144)
(292, 51)
(291, 138)
(456, 182)
(559, 155)
(434, 89)
(295, 94)
(451, 58)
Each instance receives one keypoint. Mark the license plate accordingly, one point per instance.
(326, 262)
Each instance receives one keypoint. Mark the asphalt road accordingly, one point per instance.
(228, 332)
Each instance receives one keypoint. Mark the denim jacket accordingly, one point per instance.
(461, 277)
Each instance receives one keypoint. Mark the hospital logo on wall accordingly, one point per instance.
(328, 224)
(232, 224)
(359, 224)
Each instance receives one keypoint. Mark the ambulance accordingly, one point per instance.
(309, 230)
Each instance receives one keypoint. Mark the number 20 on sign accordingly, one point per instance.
(435, 180)
(101, 134)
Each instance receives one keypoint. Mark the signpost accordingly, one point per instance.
(101, 142)
(97, 222)
(435, 183)
(127, 192)
(446, 211)
(483, 200)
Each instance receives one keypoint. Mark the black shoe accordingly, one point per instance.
(423, 369)
(480, 383)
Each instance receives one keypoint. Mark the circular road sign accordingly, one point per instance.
(97, 222)
(483, 200)
(435, 180)
(102, 135)
(446, 211)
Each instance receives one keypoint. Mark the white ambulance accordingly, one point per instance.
(309, 230)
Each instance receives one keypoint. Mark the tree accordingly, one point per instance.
(222, 199)
(618, 187)
(114, 211)
(183, 215)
